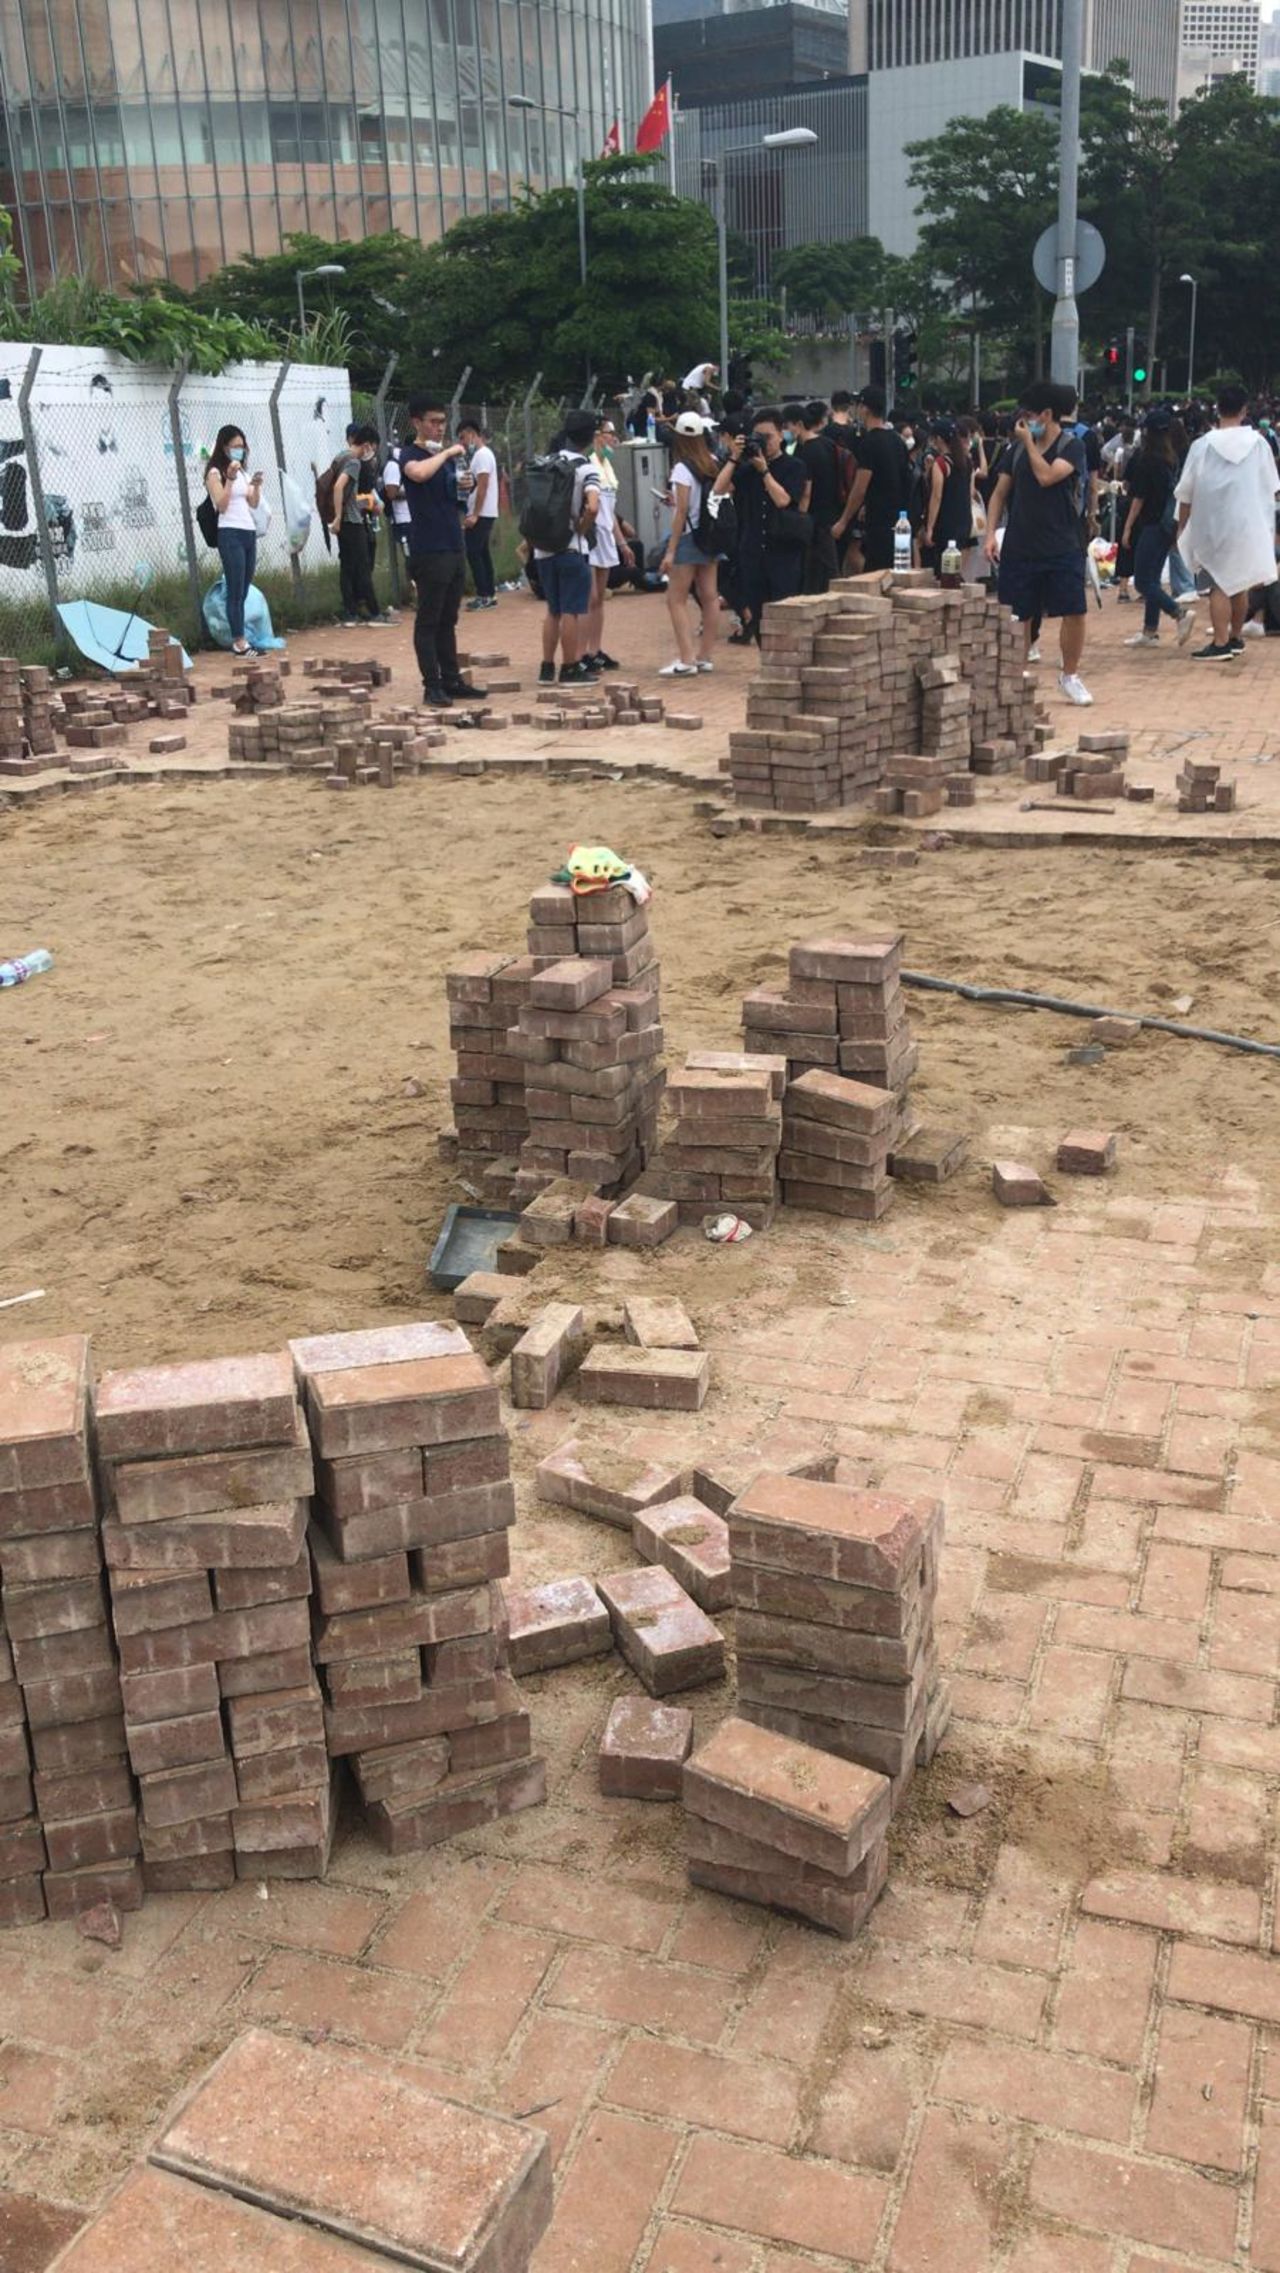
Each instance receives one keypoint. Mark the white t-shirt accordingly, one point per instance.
(684, 477)
(400, 513)
(236, 491)
(585, 478)
(484, 463)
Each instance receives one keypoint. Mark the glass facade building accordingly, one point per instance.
(780, 198)
(154, 138)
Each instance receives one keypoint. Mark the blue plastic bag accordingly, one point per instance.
(257, 619)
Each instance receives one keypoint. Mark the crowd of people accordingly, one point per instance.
(767, 501)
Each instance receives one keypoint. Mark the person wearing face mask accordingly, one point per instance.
(235, 494)
(882, 484)
(355, 503)
(1042, 561)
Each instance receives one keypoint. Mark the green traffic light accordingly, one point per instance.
(1139, 374)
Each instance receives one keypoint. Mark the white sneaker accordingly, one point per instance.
(1033, 655)
(1074, 688)
(701, 666)
(1188, 625)
(1143, 639)
(1253, 631)
(678, 671)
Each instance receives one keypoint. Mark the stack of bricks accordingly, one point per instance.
(337, 738)
(485, 993)
(916, 786)
(589, 1040)
(347, 671)
(843, 1010)
(722, 1149)
(413, 1505)
(776, 1822)
(837, 1138)
(163, 675)
(835, 1590)
(54, 1609)
(206, 1475)
(15, 758)
(40, 710)
(22, 1851)
(1201, 788)
(839, 690)
(1095, 769)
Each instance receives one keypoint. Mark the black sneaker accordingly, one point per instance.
(437, 698)
(546, 674)
(1236, 646)
(463, 691)
(1213, 654)
(578, 675)
(603, 662)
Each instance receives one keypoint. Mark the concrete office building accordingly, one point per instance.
(150, 138)
(1220, 39)
(780, 198)
(723, 55)
(895, 34)
(1269, 57)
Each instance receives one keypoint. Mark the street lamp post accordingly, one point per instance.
(1064, 349)
(326, 268)
(530, 102)
(1191, 343)
(788, 138)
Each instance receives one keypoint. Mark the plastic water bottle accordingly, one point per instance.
(901, 545)
(651, 427)
(25, 967)
(951, 566)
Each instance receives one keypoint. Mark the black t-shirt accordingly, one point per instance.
(435, 524)
(1151, 480)
(826, 500)
(757, 513)
(885, 454)
(1044, 524)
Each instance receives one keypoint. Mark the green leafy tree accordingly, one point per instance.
(986, 188)
(379, 294)
(1228, 153)
(833, 280)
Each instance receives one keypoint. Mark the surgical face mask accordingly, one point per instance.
(237, 454)
(1035, 428)
(908, 437)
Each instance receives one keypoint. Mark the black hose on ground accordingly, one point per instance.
(1090, 1010)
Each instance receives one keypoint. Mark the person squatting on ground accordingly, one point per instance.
(687, 565)
(1227, 519)
(436, 560)
(235, 495)
(1042, 560)
(356, 508)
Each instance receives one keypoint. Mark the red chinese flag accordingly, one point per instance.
(612, 142)
(655, 126)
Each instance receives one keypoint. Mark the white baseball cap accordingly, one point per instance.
(690, 422)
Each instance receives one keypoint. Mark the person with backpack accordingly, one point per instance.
(355, 504)
(437, 561)
(1041, 556)
(695, 545)
(562, 502)
(234, 496)
(1151, 477)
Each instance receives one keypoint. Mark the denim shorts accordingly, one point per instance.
(565, 578)
(688, 554)
(1043, 587)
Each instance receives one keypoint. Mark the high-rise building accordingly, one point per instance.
(1269, 57)
(895, 34)
(725, 54)
(152, 138)
(1220, 39)
(779, 198)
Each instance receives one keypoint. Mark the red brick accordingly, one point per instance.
(556, 1623)
(1177, 1905)
(204, 1405)
(643, 1749)
(68, 1894)
(546, 1354)
(170, 1649)
(1106, 1993)
(71, 1697)
(461, 1802)
(394, 1626)
(91, 1791)
(34, 1613)
(1115, 2194)
(182, 1795)
(248, 1538)
(43, 1556)
(179, 1743)
(21, 1904)
(608, 2196)
(781, 2198)
(381, 1408)
(247, 1589)
(605, 1484)
(1201, 2094)
(642, 1221)
(62, 1750)
(829, 1531)
(32, 2232)
(87, 1651)
(1087, 1152)
(149, 1601)
(206, 1483)
(1232, 1980)
(666, 1638)
(167, 1694)
(1018, 1186)
(21, 1849)
(253, 1676)
(1030, 2086)
(801, 1803)
(90, 1841)
(269, 1629)
(948, 2221)
(181, 1842)
(43, 1394)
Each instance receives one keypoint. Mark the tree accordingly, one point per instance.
(1228, 152)
(833, 280)
(380, 293)
(987, 188)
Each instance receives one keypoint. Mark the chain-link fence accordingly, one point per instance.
(102, 467)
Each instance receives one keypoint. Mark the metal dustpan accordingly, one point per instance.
(109, 637)
(469, 1241)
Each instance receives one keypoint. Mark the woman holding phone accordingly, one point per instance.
(236, 496)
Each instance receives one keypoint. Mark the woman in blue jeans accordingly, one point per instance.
(1151, 477)
(235, 495)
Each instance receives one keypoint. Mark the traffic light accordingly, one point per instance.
(879, 375)
(1113, 356)
(905, 376)
(1139, 364)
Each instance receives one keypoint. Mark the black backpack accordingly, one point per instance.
(207, 521)
(547, 519)
(716, 533)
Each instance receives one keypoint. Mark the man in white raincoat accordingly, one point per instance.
(1227, 519)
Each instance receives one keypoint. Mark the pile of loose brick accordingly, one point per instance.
(485, 994)
(835, 1590)
(1201, 788)
(289, 2156)
(618, 702)
(875, 671)
(206, 1476)
(774, 1822)
(189, 1690)
(414, 1502)
(725, 1137)
(589, 1040)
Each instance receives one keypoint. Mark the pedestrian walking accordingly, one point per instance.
(1042, 571)
(481, 517)
(1227, 519)
(1151, 476)
(235, 496)
(436, 558)
(691, 560)
(559, 522)
(355, 504)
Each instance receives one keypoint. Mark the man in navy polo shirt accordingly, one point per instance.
(437, 556)
(1042, 562)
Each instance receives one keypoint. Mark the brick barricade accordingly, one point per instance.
(725, 1136)
(872, 671)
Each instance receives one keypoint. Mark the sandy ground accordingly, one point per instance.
(221, 1107)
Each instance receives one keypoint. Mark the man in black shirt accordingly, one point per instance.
(1042, 487)
(881, 484)
(771, 492)
(820, 456)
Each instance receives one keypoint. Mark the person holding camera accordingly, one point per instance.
(771, 493)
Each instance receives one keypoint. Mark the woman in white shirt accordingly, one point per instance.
(685, 565)
(236, 495)
(609, 546)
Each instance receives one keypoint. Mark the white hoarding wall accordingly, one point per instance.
(104, 441)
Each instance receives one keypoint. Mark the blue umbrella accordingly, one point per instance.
(108, 636)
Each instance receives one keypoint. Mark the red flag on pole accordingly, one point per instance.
(612, 142)
(655, 126)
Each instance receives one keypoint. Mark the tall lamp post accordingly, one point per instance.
(1064, 343)
(1191, 343)
(300, 276)
(530, 102)
(787, 138)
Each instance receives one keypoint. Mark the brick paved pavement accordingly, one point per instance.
(1057, 2048)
